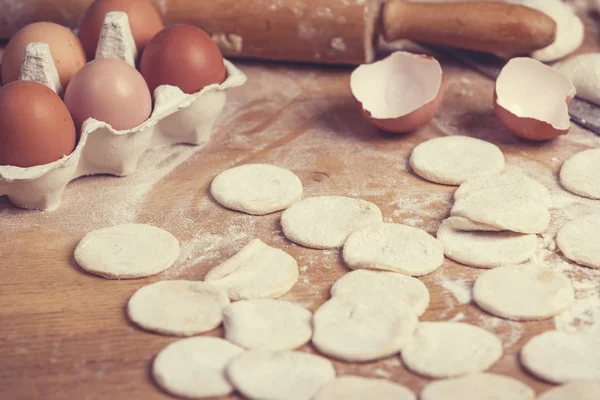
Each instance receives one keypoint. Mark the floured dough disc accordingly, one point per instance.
(372, 283)
(523, 292)
(325, 222)
(478, 387)
(579, 240)
(393, 247)
(285, 375)
(127, 251)
(267, 324)
(573, 391)
(506, 179)
(449, 349)
(359, 327)
(486, 249)
(359, 388)
(580, 174)
(464, 224)
(178, 307)
(257, 271)
(451, 160)
(195, 367)
(256, 188)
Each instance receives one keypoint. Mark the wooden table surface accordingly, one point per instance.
(64, 333)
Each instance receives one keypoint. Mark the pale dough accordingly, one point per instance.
(127, 251)
(579, 240)
(562, 357)
(358, 388)
(257, 271)
(450, 349)
(373, 283)
(523, 292)
(359, 327)
(257, 189)
(195, 367)
(573, 391)
(279, 375)
(478, 387)
(325, 222)
(584, 72)
(267, 324)
(486, 249)
(580, 174)
(451, 160)
(464, 224)
(180, 307)
(393, 247)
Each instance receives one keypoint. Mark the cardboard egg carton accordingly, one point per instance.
(177, 118)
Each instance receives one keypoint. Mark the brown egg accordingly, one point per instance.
(109, 90)
(144, 20)
(35, 125)
(65, 48)
(182, 56)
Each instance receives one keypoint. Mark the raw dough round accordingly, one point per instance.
(274, 375)
(573, 391)
(584, 71)
(451, 160)
(359, 388)
(372, 283)
(256, 189)
(562, 357)
(127, 251)
(478, 387)
(393, 247)
(580, 174)
(359, 327)
(579, 240)
(464, 224)
(486, 249)
(195, 367)
(325, 222)
(267, 324)
(449, 349)
(257, 271)
(182, 308)
(523, 292)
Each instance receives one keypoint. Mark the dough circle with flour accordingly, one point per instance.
(127, 251)
(450, 349)
(580, 174)
(478, 387)
(358, 388)
(451, 160)
(523, 292)
(256, 189)
(573, 391)
(195, 367)
(393, 247)
(325, 222)
(178, 307)
(579, 240)
(267, 324)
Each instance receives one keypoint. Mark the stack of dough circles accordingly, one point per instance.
(580, 174)
(451, 160)
(478, 387)
(573, 391)
(358, 388)
(256, 189)
(579, 240)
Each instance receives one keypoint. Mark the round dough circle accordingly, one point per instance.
(264, 374)
(358, 327)
(359, 388)
(325, 222)
(573, 391)
(179, 307)
(256, 189)
(372, 283)
(562, 357)
(127, 251)
(477, 387)
(450, 349)
(579, 240)
(267, 324)
(451, 160)
(393, 247)
(486, 249)
(195, 367)
(580, 174)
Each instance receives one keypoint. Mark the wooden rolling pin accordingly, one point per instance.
(327, 31)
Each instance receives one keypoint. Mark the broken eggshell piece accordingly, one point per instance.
(532, 99)
(400, 93)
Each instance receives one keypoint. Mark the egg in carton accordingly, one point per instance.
(177, 118)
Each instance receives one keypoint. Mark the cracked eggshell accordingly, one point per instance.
(584, 72)
(400, 93)
(532, 99)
